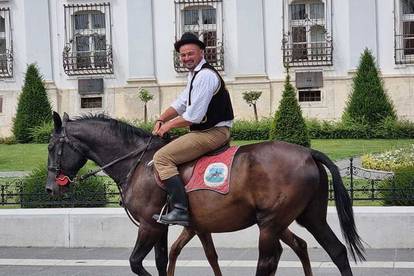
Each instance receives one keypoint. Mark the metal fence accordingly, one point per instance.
(13, 195)
(364, 187)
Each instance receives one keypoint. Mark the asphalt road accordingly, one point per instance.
(240, 262)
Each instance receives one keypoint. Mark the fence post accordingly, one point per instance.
(351, 172)
(2, 195)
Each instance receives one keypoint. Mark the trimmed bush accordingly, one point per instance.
(8, 140)
(368, 103)
(399, 190)
(288, 124)
(41, 134)
(33, 108)
(89, 193)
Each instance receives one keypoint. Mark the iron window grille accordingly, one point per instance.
(404, 32)
(309, 95)
(307, 42)
(6, 44)
(204, 19)
(88, 40)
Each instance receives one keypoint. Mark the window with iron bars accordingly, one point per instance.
(88, 40)
(204, 19)
(309, 95)
(404, 32)
(307, 41)
(6, 45)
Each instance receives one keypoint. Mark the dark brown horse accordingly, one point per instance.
(276, 184)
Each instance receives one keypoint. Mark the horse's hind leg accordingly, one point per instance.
(320, 229)
(210, 251)
(186, 235)
(145, 242)
(299, 246)
(269, 252)
(161, 254)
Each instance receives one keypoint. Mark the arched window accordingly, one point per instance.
(6, 51)
(88, 48)
(307, 41)
(89, 39)
(204, 19)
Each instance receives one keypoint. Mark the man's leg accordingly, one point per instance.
(185, 148)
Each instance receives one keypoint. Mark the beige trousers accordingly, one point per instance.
(188, 147)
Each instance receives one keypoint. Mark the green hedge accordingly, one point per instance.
(252, 130)
(399, 190)
(89, 193)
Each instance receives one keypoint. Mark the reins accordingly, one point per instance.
(94, 172)
(64, 139)
(118, 185)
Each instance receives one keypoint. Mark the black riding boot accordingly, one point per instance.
(179, 213)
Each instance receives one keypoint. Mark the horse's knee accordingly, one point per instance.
(301, 243)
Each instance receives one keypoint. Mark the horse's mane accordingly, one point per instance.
(128, 131)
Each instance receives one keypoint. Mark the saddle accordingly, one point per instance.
(192, 172)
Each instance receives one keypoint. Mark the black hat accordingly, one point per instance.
(188, 38)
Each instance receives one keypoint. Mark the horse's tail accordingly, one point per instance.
(344, 207)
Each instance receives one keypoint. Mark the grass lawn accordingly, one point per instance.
(338, 149)
(25, 157)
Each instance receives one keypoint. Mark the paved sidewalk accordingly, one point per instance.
(235, 261)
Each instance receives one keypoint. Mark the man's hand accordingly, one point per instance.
(157, 126)
(161, 130)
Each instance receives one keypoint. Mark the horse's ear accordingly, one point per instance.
(57, 121)
(65, 117)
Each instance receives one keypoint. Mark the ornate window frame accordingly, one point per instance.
(6, 44)
(88, 39)
(403, 32)
(208, 25)
(307, 33)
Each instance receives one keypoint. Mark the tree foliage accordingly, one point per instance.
(145, 96)
(288, 124)
(33, 108)
(251, 98)
(368, 103)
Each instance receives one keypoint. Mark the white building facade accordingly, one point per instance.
(96, 55)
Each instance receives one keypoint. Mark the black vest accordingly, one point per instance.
(219, 109)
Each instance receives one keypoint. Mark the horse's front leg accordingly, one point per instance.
(147, 237)
(161, 254)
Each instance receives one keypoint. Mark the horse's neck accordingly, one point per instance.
(104, 147)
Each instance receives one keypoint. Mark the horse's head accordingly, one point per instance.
(65, 157)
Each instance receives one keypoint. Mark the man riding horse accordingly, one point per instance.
(204, 106)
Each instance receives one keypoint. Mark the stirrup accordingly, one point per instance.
(165, 207)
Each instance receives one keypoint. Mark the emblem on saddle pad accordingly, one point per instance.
(215, 174)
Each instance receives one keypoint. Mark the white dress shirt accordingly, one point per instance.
(205, 85)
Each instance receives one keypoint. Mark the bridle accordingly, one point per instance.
(63, 180)
(60, 178)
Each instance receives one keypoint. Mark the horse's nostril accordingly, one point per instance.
(49, 191)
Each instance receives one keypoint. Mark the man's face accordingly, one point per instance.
(190, 55)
